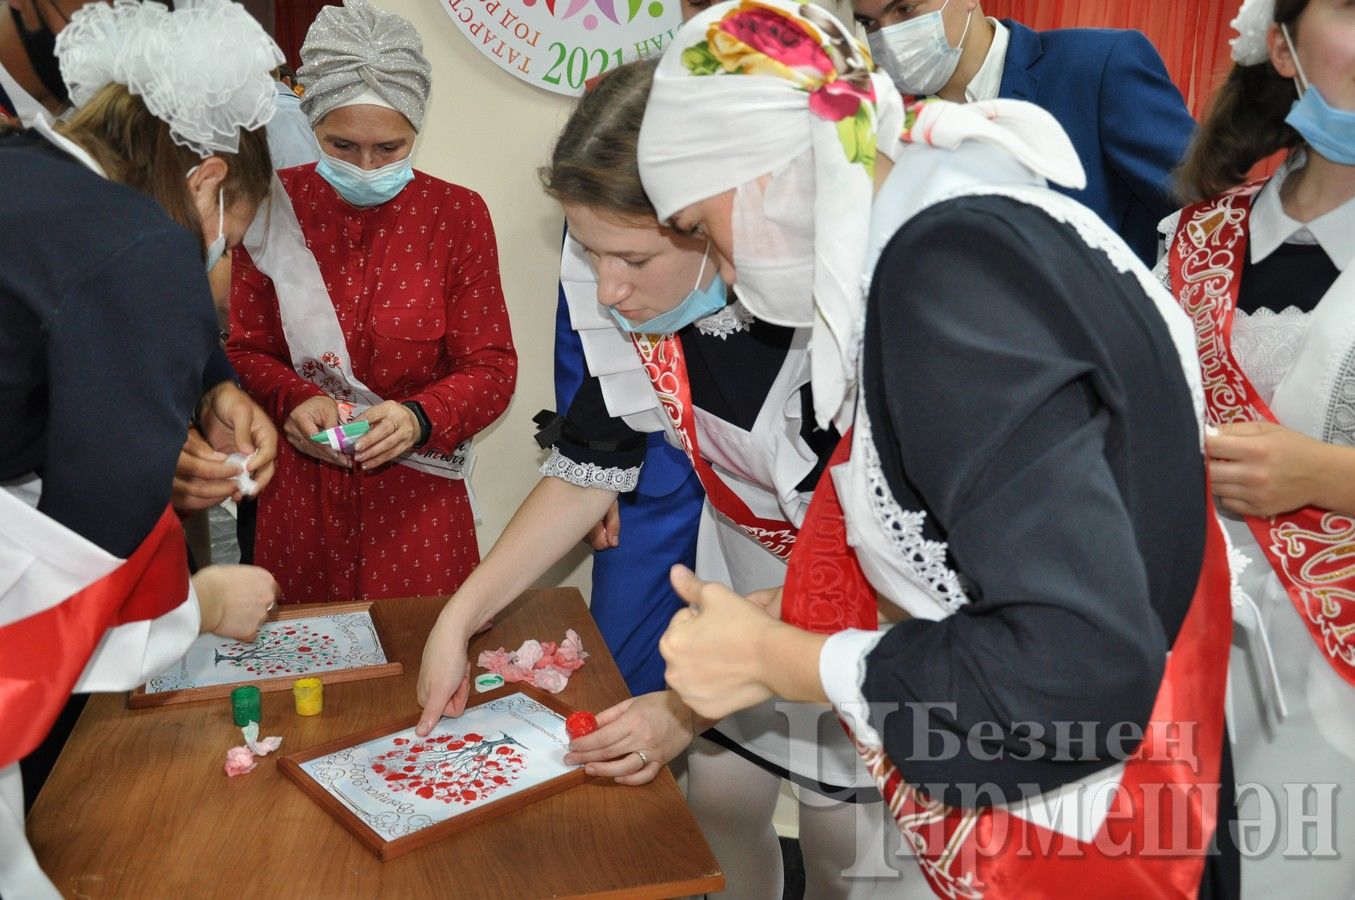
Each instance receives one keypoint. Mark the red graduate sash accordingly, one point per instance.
(42, 656)
(667, 370)
(1165, 810)
(1310, 549)
(826, 591)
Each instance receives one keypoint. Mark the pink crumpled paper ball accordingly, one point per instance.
(239, 761)
(546, 666)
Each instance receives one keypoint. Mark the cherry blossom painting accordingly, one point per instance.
(399, 784)
(285, 649)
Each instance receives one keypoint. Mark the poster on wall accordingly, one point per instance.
(561, 44)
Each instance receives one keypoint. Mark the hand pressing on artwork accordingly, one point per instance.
(312, 417)
(235, 600)
(724, 652)
(444, 675)
(607, 533)
(395, 430)
(636, 738)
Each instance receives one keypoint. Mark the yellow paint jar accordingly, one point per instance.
(309, 694)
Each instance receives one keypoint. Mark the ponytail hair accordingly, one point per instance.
(135, 148)
(1245, 123)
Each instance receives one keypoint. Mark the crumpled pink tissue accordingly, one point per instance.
(546, 666)
(240, 760)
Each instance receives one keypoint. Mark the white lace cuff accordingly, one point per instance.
(557, 465)
(842, 670)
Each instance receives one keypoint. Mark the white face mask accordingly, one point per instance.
(916, 53)
(773, 234)
(217, 248)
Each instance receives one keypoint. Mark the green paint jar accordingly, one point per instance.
(246, 705)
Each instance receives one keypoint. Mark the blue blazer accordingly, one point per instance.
(1110, 91)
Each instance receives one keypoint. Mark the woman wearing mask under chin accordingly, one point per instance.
(370, 293)
(1265, 270)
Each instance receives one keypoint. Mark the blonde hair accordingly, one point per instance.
(135, 148)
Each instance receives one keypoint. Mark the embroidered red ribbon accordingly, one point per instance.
(826, 591)
(1162, 816)
(1166, 808)
(42, 656)
(1309, 549)
(667, 370)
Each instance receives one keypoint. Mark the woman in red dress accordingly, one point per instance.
(370, 292)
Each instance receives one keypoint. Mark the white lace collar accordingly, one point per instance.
(732, 318)
(1271, 226)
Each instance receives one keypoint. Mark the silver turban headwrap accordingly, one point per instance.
(358, 50)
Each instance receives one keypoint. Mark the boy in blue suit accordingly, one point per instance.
(1108, 88)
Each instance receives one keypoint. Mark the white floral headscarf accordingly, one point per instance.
(806, 92)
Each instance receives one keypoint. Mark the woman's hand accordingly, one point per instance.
(235, 600)
(202, 477)
(725, 653)
(444, 674)
(229, 422)
(395, 430)
(1263, 469)
(712, 647)
(312, 417)
(659, 724)
(607, 533)
(769, 599)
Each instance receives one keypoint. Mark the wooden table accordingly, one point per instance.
(138, 805)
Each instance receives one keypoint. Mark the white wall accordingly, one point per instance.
(490, 132)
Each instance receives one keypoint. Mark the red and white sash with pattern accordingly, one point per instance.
(1310, 549)
(1165, 809)
(826, 591)
(664, 363)
(44, 650)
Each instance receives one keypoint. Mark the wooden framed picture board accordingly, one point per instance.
(396, 792)
(334, 642)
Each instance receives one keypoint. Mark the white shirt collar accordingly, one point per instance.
(987, 81)
(1271, 226)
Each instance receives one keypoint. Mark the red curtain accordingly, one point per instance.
(292, 18)
(1191, 36)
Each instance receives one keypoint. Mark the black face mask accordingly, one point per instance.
(40, 47)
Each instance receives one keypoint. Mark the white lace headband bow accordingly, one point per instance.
(1252, 23)
(203, 69)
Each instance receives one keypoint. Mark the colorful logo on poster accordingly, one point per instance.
(560, 45)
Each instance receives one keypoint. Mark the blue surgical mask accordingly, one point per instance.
(363, 187)
(1328, 130)
(698, 304)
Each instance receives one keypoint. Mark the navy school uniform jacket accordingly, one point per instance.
(1110, 91)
